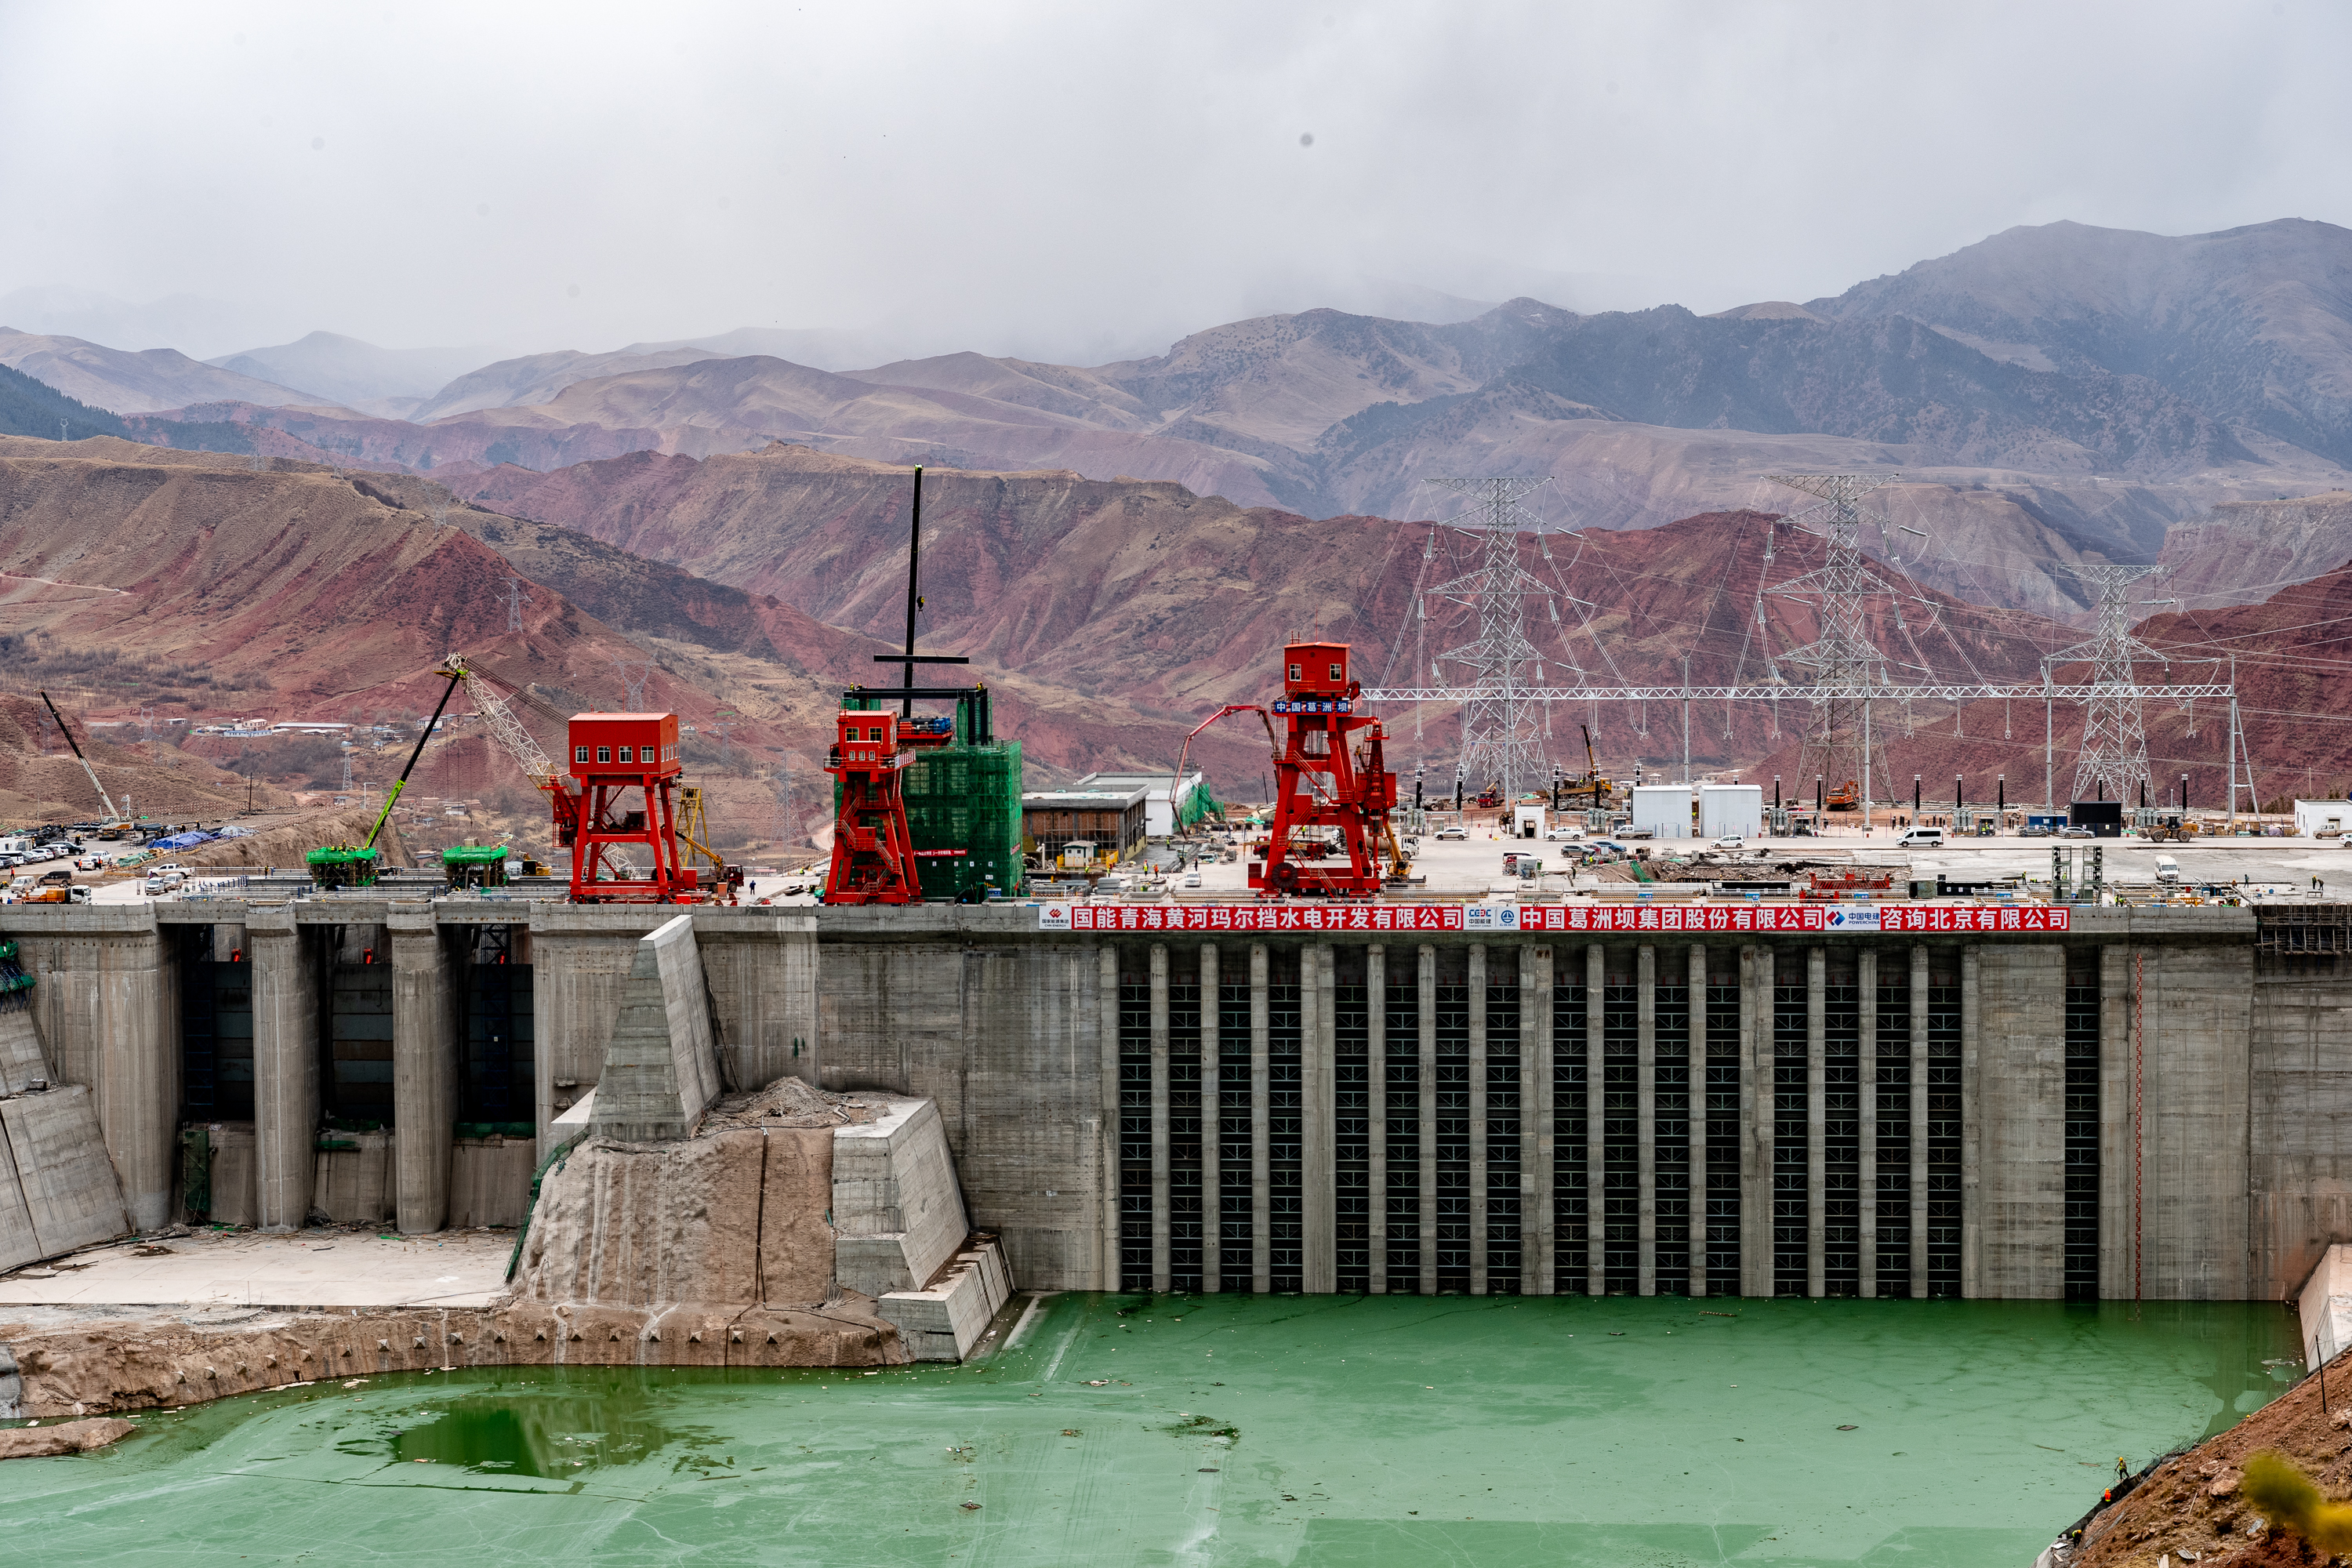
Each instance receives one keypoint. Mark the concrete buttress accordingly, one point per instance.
(285, 1066)
(424, 1098)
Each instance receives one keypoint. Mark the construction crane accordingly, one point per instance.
(354, 866)
(1331, 800)
(108, 800)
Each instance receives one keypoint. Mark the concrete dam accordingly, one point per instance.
(2150, 1104)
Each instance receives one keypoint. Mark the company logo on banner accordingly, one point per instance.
(1636, 917)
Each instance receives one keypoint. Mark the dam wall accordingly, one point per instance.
(2151, 1104)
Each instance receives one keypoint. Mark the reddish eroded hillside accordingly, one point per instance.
(301, 592)
(41, 782)
(1147, 603)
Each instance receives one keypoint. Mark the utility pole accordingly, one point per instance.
(2233, 748)
(1687, 779)
(914, 590)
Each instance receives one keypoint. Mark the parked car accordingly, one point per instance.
(1566, 831)
(1191, 878)
(1452, 832)
(1921, 838)
(2076, 833)
(154, 887)
(1731, 841)
(90, 863)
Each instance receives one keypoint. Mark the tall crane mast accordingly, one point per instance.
(112, 814)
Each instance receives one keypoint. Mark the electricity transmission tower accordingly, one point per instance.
(2114, 758)
(637, 674)
(1845, 666)
(1502, 724)
(514, 604)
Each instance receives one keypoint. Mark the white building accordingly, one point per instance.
(1663, 809)
(2311, 816)
(1728, 808)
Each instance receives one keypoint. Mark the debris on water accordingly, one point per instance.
(968, 1506)
(1070, 1432)
(1849, 1428)
(1096, 1382)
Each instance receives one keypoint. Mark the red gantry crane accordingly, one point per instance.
(873, 846)
(1330, 835)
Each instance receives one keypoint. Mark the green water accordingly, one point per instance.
(1226, 1430)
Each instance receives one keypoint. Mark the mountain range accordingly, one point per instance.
(2051, 394)
(1122, 547)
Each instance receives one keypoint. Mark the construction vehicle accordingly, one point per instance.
(112, 816)
(356, 865)
(1592, 791)
(1330, 835)
(1845, 797)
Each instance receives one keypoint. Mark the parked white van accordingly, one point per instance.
(1921, 838)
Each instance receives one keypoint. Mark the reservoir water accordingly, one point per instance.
(1221, 1430)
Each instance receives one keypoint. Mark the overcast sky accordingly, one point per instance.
(1083, 181)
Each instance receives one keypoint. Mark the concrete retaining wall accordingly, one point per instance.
(661, 1067)
(897, 1215)
(489, 1181)
(60, 1168)
(354, 1185)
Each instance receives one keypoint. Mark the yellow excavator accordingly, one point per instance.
(1591, 790)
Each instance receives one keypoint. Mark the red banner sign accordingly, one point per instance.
(1372, 918)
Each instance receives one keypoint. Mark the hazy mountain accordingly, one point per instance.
(537, 378)
(195, 325)
(2254, 325)
(133, 383)
(355, 374)
(2051, 394)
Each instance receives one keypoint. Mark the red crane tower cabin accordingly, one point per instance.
(613, 755)
(873, 846)
(1331, 800)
